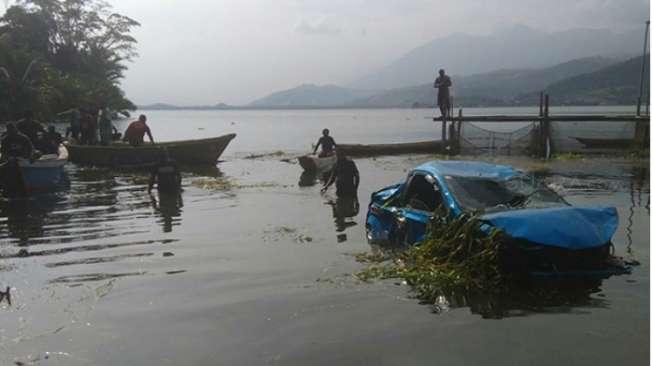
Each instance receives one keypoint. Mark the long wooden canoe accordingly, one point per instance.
(394, 149)
(187, 152)
(605, 143)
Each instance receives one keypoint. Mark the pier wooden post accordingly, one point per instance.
(541, 104)
(642, 131)
(459, 128)
(545, 131)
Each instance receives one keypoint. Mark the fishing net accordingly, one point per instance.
(475, 139)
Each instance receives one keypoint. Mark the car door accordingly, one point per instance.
(420, 199)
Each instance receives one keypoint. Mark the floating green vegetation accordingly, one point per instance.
(268, 155)
(213, 184)
(640, 154)
(458, 256)
(568, 156)
(225, 184)
(280, 232)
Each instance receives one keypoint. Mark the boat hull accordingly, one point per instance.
(316, 164)
(189, 152)
(439, 147)
(22, 177)
(605, 143)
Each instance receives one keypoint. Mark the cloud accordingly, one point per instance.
(320, 27)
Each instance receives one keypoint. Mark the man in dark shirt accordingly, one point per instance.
(327, 143)
(15, 145)
(30, 128)
(442, 83)
(345, 176)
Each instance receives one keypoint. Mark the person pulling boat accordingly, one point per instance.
(327, 143)
(136, 131)
(345, 175)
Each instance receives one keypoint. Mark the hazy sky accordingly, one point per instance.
(233, 51)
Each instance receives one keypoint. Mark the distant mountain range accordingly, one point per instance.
(613, 85)
(509, 67)
(590, 80)
(517, 47)
(309, 95)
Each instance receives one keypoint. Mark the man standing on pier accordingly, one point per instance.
(442, 83)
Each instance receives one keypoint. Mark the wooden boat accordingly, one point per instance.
(187, 152)
(22, 177)
(605, 143)
(316, 164)
(394, 149)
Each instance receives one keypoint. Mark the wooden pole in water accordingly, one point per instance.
(641, 76)
(544, 126)
(541, 103)
(460, 124)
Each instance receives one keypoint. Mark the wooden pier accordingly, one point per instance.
(452, 126)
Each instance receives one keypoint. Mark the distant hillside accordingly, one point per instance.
(618, 84)
(614, 85)
(309, 95)
(490, 89)
(518, 47)
(165, 107)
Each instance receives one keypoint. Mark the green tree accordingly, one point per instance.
(77, 51)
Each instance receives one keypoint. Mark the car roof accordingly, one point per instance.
(462, 168)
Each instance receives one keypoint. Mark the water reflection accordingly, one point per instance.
(532, 297)
(638, 187)
(169, 207)
(26, 218)
(309, 178)
(344, 209)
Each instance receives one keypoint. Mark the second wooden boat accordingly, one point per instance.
(188, 152)
(316, 164)
(394, 149)
(605, 143)
(22, 177)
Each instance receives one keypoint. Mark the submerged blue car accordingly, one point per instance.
(545, 234)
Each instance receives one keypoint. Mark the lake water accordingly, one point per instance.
(257, 270)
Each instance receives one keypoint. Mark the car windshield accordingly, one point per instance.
(521, 191)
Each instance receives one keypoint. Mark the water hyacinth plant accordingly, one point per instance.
(456, 256)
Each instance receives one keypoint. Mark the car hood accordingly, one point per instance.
(564, 227)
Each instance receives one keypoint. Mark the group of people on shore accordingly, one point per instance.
(27, 137)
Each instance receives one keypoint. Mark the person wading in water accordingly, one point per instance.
(345, 176)
(137, 130)
(166, 175)
(327, 143)
(442, 83)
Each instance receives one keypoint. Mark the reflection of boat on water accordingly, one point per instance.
(594, 143)
(26, 218)
(317, 164)
(190, 152)
(310, 178)
(22, 177)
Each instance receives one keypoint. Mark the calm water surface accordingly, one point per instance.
(250, 265)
